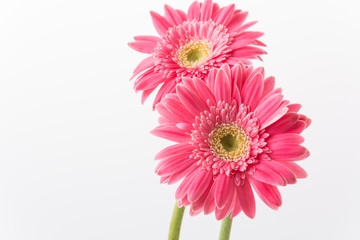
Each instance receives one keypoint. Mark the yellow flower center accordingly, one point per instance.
(229, 142)
(193, 53)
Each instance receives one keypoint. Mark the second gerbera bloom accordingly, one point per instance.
(234, 133)
(191, 44)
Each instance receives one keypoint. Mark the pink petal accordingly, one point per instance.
(143, 65)
(224, 15)
(285, 138)
(222, 86)
(194, 11)
(283, 124)
(175, 166)
(269, 84)
(148, 80)
(205, 92)
(288, 152)
(236, 21)
(185, 172)
(237, 208)
(296, 169)
(190, 100)
(287, 175)
(175, 106)
(252, 92)
(267, 108)
(200, 183)
(246, 198)
(160, 23)
(174, 149)
(167, 87)
(225, 188)
(172, 16)
(225, 211)
(142, 46)
(295, 107)
(146, 94)
(170, 132)
(183, 188)
(209, 205)
(269, 194)
(206, 10)
(265, 174)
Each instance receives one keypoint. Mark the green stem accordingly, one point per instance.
(175, 224)
(225, 228)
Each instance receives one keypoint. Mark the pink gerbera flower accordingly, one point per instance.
(234, 133)
(191, 44)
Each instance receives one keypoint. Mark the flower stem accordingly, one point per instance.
(225, 228)
(175, 224)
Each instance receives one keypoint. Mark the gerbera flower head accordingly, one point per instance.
(190, 45)
(234, 133)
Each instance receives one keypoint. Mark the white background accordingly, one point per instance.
(76, 156)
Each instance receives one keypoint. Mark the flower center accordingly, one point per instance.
(193, 53)
(229, 142)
